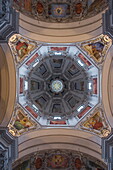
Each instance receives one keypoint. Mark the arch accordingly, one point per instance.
(107, 96)
(8, 84)
(59, 139)
(61, 32)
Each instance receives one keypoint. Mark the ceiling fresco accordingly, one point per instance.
(96, 48)
(60, 10)
(57, 92)
(96, 123)
(21, 123)
(59, 159)
(21, 47)
(58, 85)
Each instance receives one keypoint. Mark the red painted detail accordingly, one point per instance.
(58, 48)
(82, 113)
(32, 59)
(95, 85)
(84, 59)
(40, 8)
(78, 8)
(56, 122)
(21, 84)
(32, 111)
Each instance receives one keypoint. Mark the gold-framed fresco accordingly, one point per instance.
(21, 47)
(97, 48)
(21, 122)
(96, 123)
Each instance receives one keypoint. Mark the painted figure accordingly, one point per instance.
(95, 50)
(58, 161)
(22, 49)
(78, 8)
(22, 122)
(38, 163)
(28, 5)
(40, 8)
(94, 122)
(78, 164)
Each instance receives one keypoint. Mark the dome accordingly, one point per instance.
(58, 84)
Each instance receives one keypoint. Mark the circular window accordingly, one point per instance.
(57, 86)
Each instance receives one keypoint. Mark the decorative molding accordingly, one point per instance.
(8, 149)
(107, 150)
(9, 20)
(108, 20)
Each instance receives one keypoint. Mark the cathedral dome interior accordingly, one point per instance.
(56, 85)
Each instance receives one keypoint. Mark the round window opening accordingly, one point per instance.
(57, 86)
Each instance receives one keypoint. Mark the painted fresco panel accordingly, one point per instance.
(59, 10)
(40, 7)
(21, 47)
(20, 123)
(97, 48)
(96, 123)
(28, 5)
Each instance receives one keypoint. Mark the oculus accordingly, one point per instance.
(57, 86)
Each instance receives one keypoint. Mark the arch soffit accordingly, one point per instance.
(60, 139)
(8, 84)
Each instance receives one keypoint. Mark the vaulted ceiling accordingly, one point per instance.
(56, 82)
